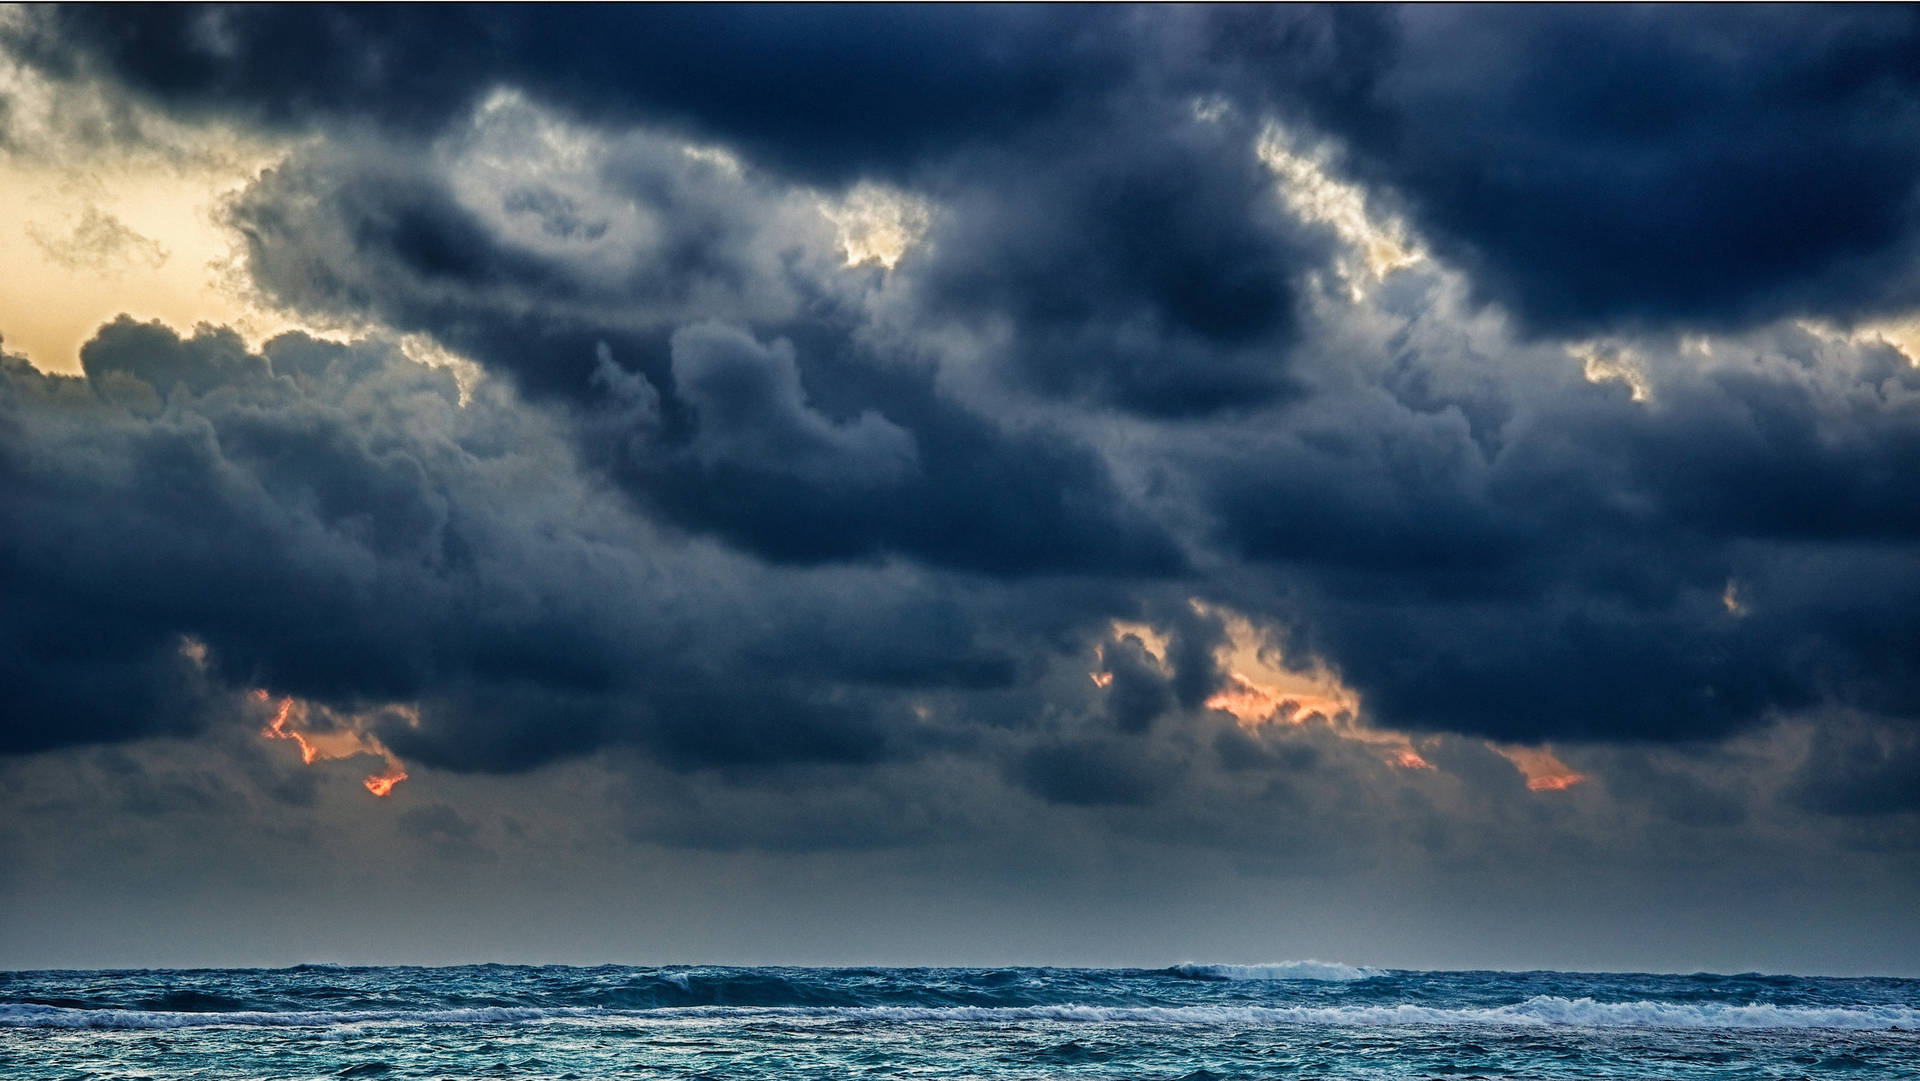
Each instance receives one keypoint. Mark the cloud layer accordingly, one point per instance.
(1176, 423)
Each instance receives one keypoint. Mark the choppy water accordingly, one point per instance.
(1193, 1022)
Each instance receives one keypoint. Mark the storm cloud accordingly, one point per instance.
(1321, 440)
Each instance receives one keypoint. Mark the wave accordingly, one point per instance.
(1539, 1011)
(1325, 971)
(37, 1016)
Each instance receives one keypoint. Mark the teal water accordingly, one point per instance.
(1193, 1022)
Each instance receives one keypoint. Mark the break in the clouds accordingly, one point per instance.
(1342, 445)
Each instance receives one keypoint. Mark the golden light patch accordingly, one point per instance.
(1542, 768)
(1262, 688)
(343, 735)
(1605, 363)
(1903, 334)
(1263, 691)
(381, 784)
(1731, 600)
(1251, 704)
(1380, 246)
(1154, 642)
(423, 349)
(877, 224)
(194, 650)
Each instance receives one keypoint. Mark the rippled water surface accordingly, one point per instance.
(1300, 1019)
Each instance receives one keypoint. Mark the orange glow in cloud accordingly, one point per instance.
(1249, 703)
(1253, 703)
(1267, 691)
(1262, 689)
(277, 729)
(382, 783)
(1543, 770)
(345, 740)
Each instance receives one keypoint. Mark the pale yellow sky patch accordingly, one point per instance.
(55, 295)
(93, 228)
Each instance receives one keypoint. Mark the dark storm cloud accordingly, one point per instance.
(971, 496)
(329, 521)
(873, 516)
(823, 93)
(1593, 168)
(1086, 198)
(507, 274)
(1588, 168)
(182, 489)
(1137, 253)
(1091, 773)
(710, 424)
(1740, 547)
(1860, 769)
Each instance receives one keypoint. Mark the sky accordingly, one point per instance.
(1425, 487)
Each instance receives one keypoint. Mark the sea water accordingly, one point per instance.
(1193, 1022)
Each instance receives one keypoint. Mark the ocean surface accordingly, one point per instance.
(1304, 1019)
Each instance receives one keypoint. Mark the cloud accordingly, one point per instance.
(783, 466)
(339, 523)
(326, 521)
(98, 241)
(1562, 574)
(1090, 773)
(1860, 769)
(795, 87)
(1133, 254)
(1593, 170)
(752, 413)
(752, 499)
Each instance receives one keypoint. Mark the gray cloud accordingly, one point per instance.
(735, 547)
(751, 411)
(98, 241)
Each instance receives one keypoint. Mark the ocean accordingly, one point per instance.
(1305, 1019)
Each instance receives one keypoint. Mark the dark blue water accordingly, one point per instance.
(1305, 1020)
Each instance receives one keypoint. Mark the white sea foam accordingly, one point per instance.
(1328, 971)
(1540, 1011)
(30, 1016)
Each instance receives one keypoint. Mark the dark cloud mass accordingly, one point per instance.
(1271, 434)
(794, 87)
(1596, 169)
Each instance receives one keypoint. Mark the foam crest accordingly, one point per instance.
(1539, 1011)
(1326, 971)
(33, 1016)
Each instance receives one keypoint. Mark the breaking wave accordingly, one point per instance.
(1330, 971)
(1538, 1011)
